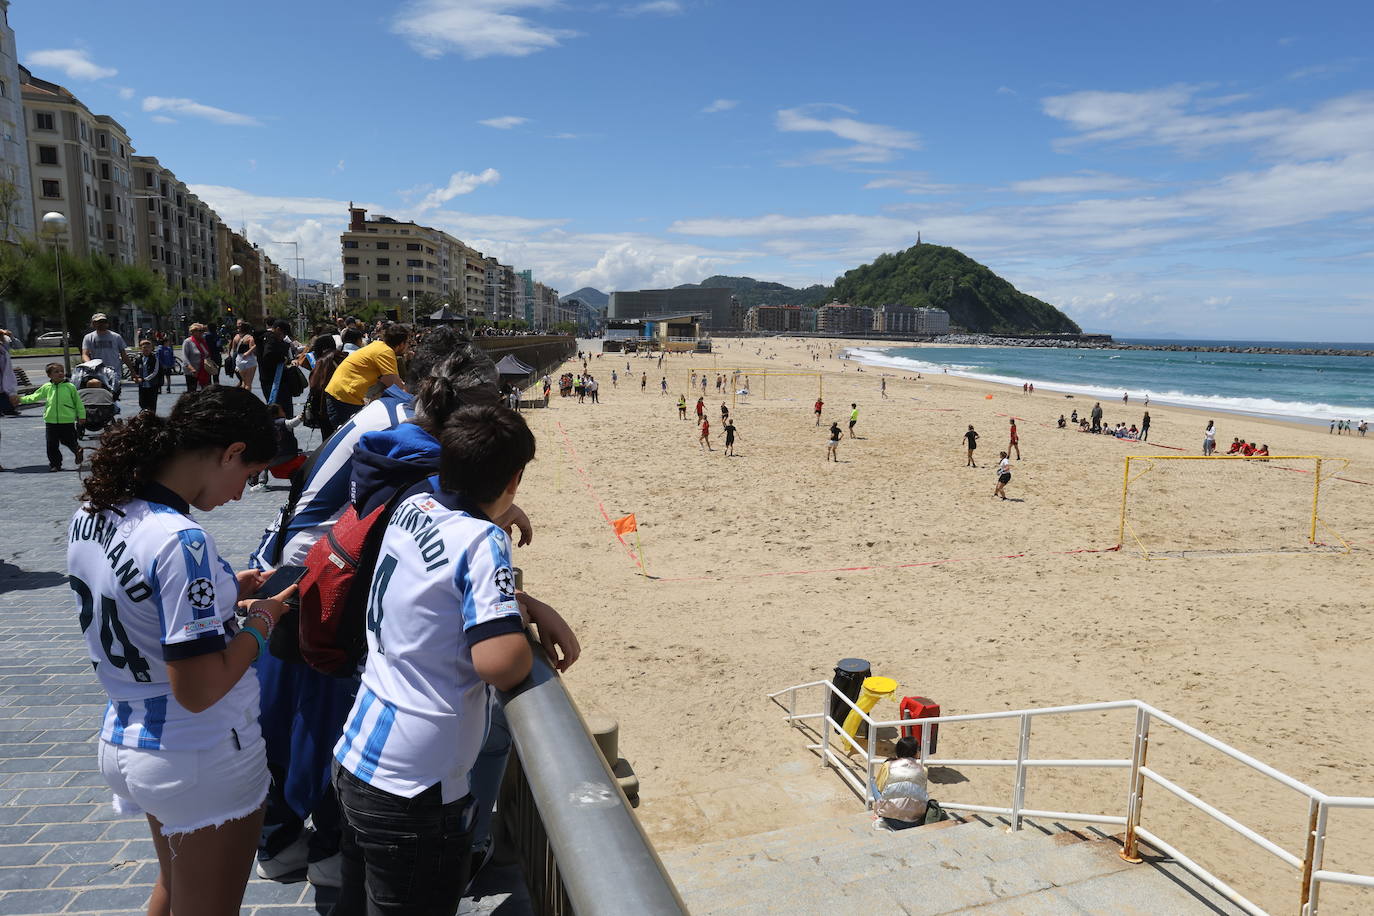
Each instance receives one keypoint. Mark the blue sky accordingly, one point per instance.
(1202, 168)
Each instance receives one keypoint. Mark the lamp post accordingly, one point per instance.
(405, 300)
(235, 271)
(55, 224)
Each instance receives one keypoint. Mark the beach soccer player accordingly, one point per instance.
(853, 418)
(729, 438)
(701, 409)
(682, 406)
(971, 440)
(819, 405)
(832, 448)
(1014, 441)
(1003, 476)
(705, 438)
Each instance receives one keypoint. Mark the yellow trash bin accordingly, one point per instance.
(875, 689)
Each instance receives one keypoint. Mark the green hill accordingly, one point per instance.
(751, 292)
(939, 277)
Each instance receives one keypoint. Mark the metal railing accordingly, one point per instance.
(581, 847)
(1320, 805)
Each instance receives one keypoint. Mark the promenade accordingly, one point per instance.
(62, 848)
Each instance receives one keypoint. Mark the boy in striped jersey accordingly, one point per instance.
(443, 622)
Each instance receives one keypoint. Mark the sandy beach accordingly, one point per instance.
(766, 568)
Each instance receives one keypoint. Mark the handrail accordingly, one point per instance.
(1320, 804)
(600, 859)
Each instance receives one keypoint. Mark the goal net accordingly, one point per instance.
(1190, 505)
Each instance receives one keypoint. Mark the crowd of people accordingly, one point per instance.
(252, 743)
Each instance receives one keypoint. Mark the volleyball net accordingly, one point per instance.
(1193, 505)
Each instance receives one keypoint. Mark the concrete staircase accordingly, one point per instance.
(846, 866)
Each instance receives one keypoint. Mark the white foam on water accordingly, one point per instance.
(1263, 407)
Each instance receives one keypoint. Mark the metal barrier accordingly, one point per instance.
(1320, 804)
(582, 848)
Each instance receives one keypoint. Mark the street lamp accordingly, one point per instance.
(404, 301)
(236, 271)
(55, 224)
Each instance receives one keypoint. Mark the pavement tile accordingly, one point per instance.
(28, 877)
(27, 854)
(111, 897)
(22, 903)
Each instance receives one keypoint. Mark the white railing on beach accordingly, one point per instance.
(1320, 805)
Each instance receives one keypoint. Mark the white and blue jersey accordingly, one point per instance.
(325, 494)
(443, 583)
(151, 589)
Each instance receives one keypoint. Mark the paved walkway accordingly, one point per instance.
(62, 849)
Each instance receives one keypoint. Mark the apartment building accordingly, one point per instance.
(17, 218)
(780, 319)
(62, 161)
(387, 260)
(249, 289)
(504, 292)
(905, 319)
(475, 283)
(841, 318)
(177, 232)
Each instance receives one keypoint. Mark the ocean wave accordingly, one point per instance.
(1264, 407)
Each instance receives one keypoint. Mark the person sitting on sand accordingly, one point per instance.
(1073, 417)
(832, 448)
(1003, 476)
(1083, 426)
(1262, 451)
(1062, 421)
(1236, 446)
(1248, 449)
(900, 793)
(1133, 433)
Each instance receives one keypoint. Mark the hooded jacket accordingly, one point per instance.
(386, 459)
(901, 784)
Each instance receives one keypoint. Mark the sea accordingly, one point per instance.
(1314, 389)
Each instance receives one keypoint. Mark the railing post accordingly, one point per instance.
(1318, 850)
(1018, 796)
(825, 727)
(872, 746)
(1136, 796)
(792, 708)
(1309, 847)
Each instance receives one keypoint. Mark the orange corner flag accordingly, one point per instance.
(626, 525)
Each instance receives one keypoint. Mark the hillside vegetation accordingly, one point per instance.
(939, 277)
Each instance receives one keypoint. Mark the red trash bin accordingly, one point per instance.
(919, 708)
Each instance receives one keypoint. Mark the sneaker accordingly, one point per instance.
(257, 488)
(326, 872)
(289, 860)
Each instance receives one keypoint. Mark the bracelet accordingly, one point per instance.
(262, 641)
(266, 618)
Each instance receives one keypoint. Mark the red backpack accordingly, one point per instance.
(333, 592)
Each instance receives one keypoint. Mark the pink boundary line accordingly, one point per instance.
(591, 491)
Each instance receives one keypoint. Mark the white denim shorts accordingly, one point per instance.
(190, 790)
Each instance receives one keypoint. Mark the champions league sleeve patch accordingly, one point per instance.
(201, 593)
(505, 581)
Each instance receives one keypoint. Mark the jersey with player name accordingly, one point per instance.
(150, 588)
(443, 583)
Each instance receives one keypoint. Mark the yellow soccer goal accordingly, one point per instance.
(1191, 505)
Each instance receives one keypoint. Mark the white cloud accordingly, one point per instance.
(654, 7)
(476, 28)
(193, 109)
(505, 122)
(74, 62)
(908, 183)
(458, 183)
(1006, 90)
(872, 142)
(162, 119)
(126, 93)
(720, 105)
(338, 168)
(1080, 183)
(564, 136)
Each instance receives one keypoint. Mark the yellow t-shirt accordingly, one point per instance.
(360, 370)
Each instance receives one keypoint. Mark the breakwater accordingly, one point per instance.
(1103, 342)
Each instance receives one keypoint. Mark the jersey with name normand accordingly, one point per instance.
(443, 583)
(150, 589)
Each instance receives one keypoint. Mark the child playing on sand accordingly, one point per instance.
(971, 439)
(853, 418)
(724, 412)
(705, 438)
(819, 405)
(682, 406)
(701, 409)
(832, 448)
(1015, 443)
(1003, 476)
(729, 438)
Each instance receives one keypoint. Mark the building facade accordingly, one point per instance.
(17, 218)
(781, 319)
(905, 319)
(62, 161)
(177, 232)
(717, 303)
(394, 262)
(840, 318)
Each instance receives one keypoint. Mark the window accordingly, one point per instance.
(108, 202)
(384, 293)
(414, 262)
(351, 278)
(413, 246)
(85, 131)
(152, 205)
(383, 246)
(383, 278)
(414, 278)
(105, 171)
(350, 260)
(4, 89)
(104, 139)
(44, 120)
(109, 231)
(384, 262)
(350, 244)
(47, 155)
(351, 293)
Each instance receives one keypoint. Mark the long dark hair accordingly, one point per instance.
(133, 451)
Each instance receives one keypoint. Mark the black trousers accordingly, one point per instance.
(147, 397)
(59, 434)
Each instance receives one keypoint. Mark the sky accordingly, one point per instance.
(1200, 169)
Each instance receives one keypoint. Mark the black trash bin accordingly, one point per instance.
(849, 680)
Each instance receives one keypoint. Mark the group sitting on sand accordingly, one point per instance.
(1247, 449)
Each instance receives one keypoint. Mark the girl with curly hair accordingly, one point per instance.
(180, 738)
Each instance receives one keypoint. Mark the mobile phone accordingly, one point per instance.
(282, 578)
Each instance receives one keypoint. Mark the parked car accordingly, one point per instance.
(50, 339)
